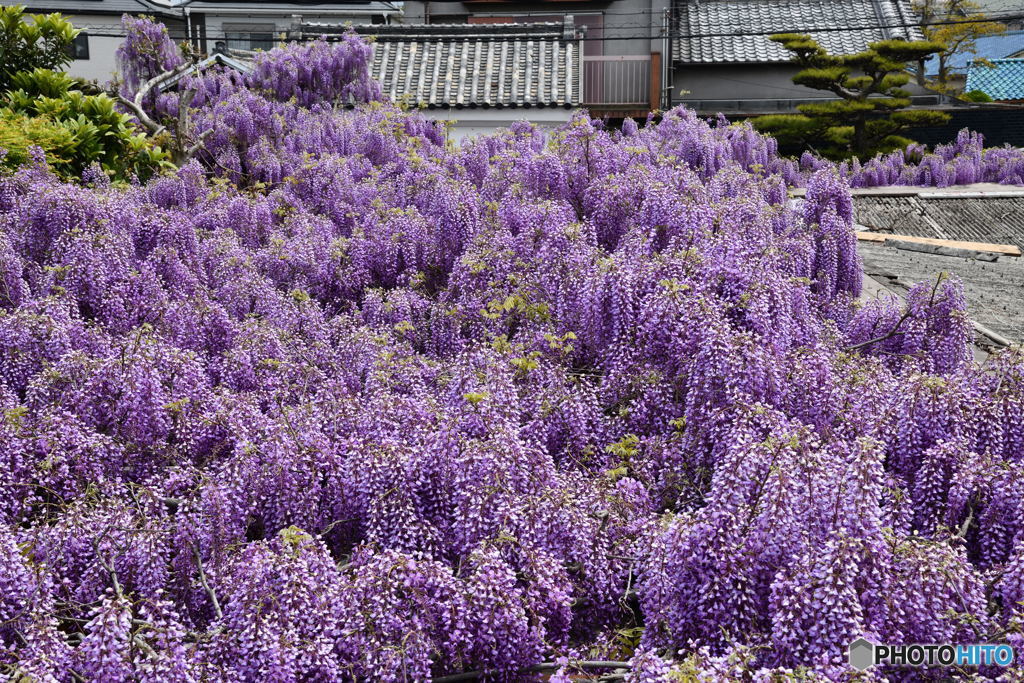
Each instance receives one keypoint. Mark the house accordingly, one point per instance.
(478, 76)
(623, 69)
(484, 64)
(101, 32)
(974, 232)
(998, 46)
(208, 24)
(241, 25)
(1000, 79)
(723, 60)
(1007, 11)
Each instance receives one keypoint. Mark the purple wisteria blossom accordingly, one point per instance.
(340, 401)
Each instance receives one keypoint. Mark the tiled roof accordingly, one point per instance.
(475, 65)
(1004, 80)
(998, 46)
(992, 288)
(945, 214)
(737, 31)
(993, 283)
(287, 7)
(80, 7)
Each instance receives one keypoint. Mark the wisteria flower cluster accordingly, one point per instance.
(146, 51)
(342, 402)
(259, 135)
(964, 161)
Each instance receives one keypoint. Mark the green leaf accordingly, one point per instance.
(474, 398)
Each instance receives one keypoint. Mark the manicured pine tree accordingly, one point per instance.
(871, 111)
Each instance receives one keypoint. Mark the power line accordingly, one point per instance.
(671, 35)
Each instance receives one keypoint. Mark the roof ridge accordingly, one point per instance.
(421, 32)
(770, 3)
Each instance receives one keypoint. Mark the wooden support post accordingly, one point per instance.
(655, 81)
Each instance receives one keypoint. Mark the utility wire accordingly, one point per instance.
(366, 29)
(512, 14)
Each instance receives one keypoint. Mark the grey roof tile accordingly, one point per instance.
(473, 65)
(997, 219)
(993, 284)
(712, 31)
(993, 289)
(286, 7)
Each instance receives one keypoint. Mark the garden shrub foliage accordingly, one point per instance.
(337, 401)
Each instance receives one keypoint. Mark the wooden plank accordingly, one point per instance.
(1007, 249)
(655, 94)
(972, 191)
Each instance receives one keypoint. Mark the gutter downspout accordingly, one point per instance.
(668, 61)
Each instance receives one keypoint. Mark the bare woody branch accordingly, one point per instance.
(135, 104)
(895, 328)
(205, 584)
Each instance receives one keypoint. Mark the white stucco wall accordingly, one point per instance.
(471, 122)
(101, 65)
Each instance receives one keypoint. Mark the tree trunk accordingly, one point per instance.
(858, 143)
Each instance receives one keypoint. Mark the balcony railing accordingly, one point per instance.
(621, 80)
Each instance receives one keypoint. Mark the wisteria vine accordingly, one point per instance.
(339, 401)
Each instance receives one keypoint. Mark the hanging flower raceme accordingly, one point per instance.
(340, 401)
(146, 52)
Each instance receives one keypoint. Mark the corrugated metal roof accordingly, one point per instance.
(1004, 80)
(474, 65)
(998, 46)
(737, 31)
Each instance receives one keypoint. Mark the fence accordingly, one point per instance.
(621, 80)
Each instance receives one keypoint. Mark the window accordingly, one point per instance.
(249, 36)
(79, 47)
